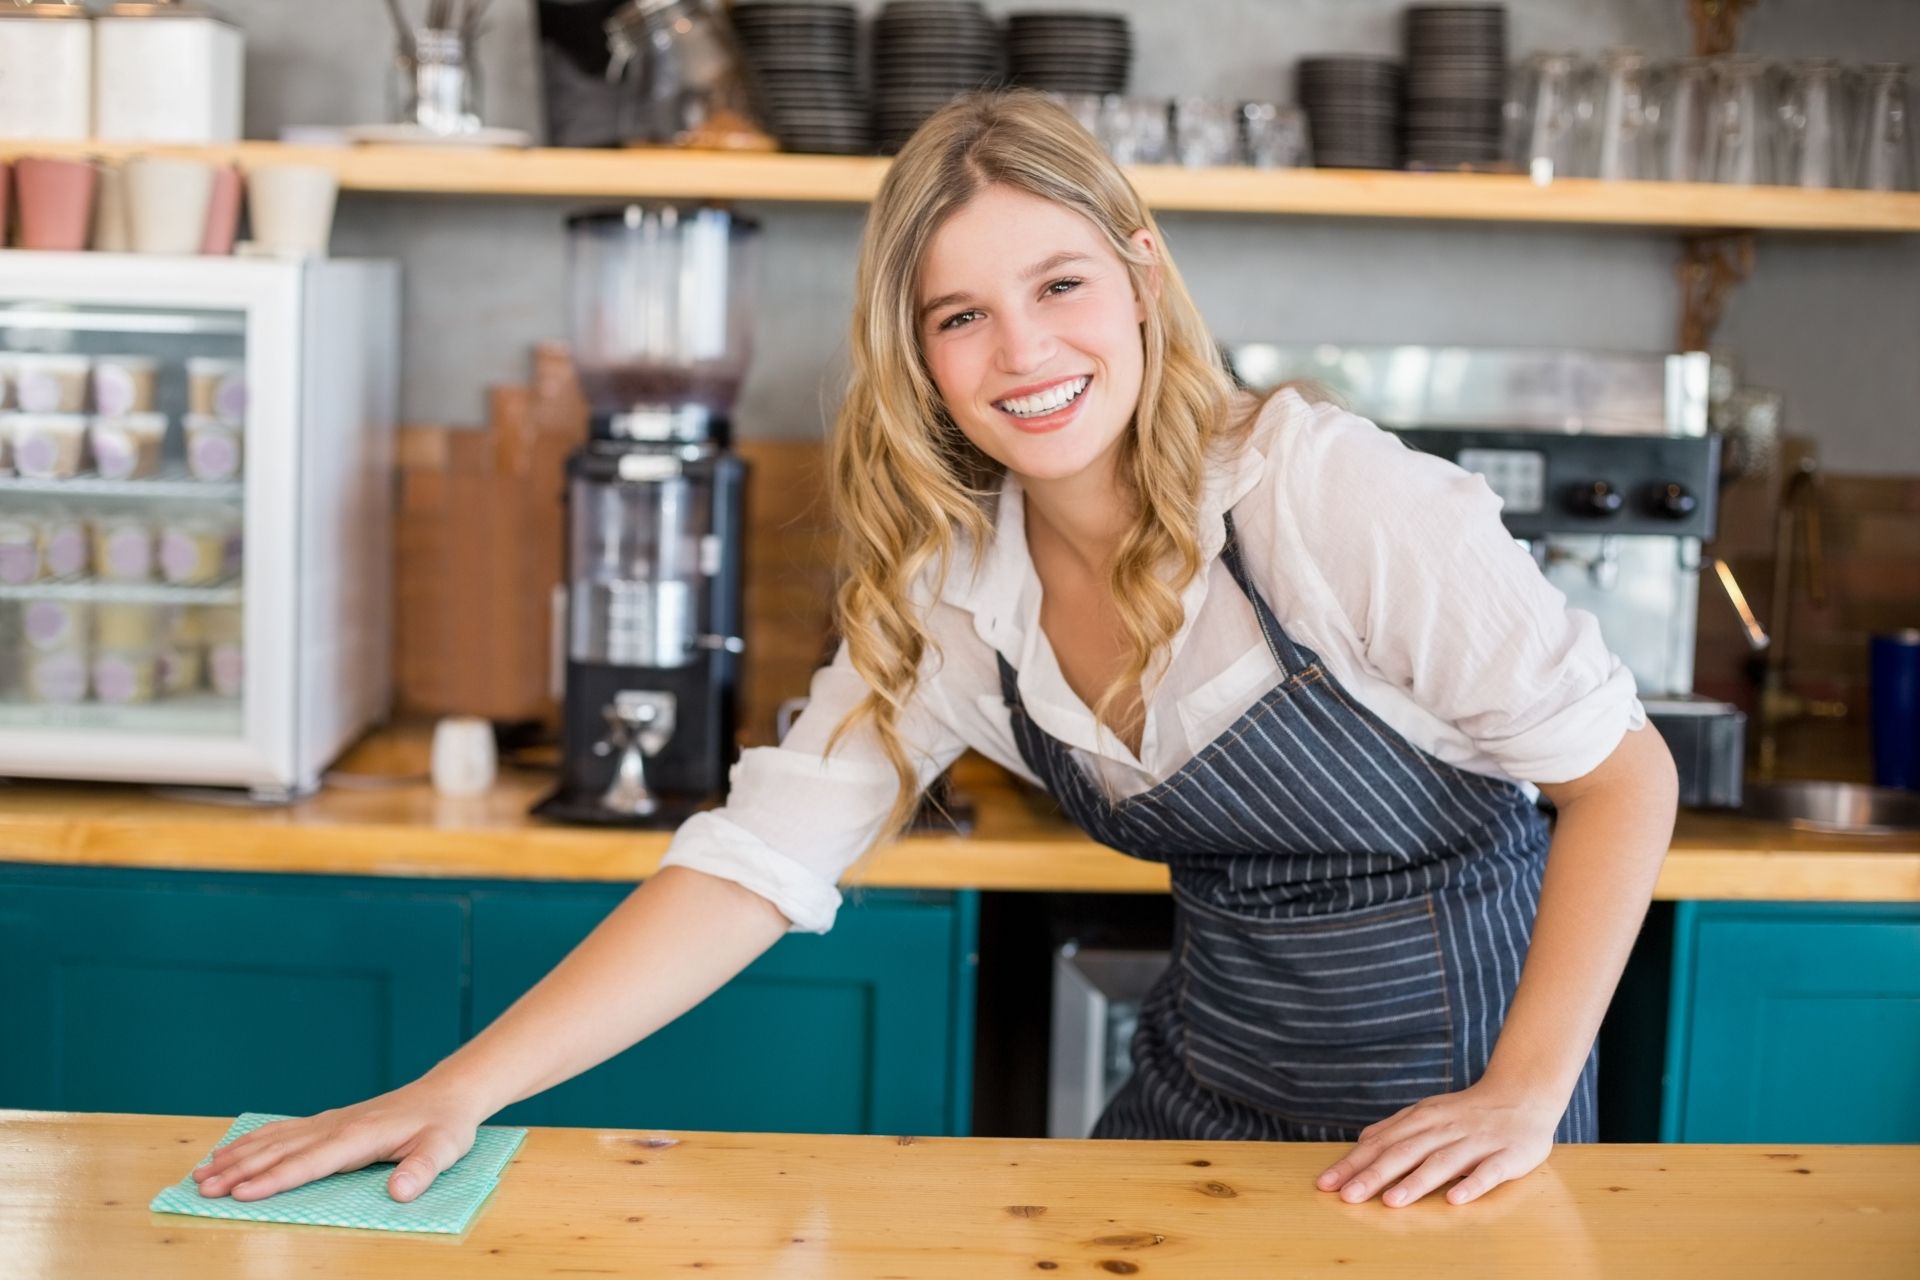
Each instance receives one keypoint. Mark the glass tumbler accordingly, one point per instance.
(1546, 111)
(1683, 116)
(1886, 144)
(1740, 141)
(1624, 150)
(1814, 123)
(1276, 135)
(1206, 132)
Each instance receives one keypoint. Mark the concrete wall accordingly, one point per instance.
(1833, 322)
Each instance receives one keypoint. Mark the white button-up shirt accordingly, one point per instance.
(1390, 564)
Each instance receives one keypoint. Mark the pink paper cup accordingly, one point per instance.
(56, 202)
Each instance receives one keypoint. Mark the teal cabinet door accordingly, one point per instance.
(1794, 1023)
(867, 1029)
(199, 994)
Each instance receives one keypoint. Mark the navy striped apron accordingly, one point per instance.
(1351, 915)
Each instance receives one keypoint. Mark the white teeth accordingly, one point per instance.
(1047, 401)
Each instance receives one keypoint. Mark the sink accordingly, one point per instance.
(1833, 806)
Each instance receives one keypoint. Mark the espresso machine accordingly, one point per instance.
(1608, 476)
(650, 624)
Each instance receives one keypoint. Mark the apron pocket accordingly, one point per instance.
(1338, 1020)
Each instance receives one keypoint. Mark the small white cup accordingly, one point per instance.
(167, 204)
(290, 207)
(464, 763)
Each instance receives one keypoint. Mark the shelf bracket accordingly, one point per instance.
(1716, 25)
(1710, 267)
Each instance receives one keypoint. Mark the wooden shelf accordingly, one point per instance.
(581, 173)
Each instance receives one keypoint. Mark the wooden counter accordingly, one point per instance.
(381, 818)
(74, 1190)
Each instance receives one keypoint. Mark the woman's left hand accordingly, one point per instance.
(1487, 1134)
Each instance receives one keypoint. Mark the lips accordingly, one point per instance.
(1046, 399)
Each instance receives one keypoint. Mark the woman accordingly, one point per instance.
(1258, 640)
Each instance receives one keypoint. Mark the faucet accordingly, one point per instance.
(1799, 507)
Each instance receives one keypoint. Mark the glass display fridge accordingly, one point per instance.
(196, 477)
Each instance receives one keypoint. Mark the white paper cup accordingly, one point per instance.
(217, 387)
(199, 549)
(110, 210)
(123, 549)
(167, 204)
(125, 678)
(48, 446)
(128, 448)
(464, 762)
(213, 448)
(290, 207)
(66, 550)
(50, 383)
(56, 626)
(20, 561)
(59, 677)
(123, 385)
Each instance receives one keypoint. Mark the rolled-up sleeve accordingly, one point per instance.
(795, 818)
(1453, 610)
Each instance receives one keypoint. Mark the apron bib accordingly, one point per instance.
(1351, 914)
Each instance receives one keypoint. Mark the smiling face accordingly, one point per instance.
(1031, 331)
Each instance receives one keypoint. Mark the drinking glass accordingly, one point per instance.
(1276, 135)
(1886, 146)
(1546, 115)
(1135, 129)
(1683, 115)
(1624, 150)
(1740, 141)
(1814, 120)
(1206, 132)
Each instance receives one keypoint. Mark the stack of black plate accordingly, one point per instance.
(1353, 110)
(801, 61)
(925, 53)
(1456, 84)
(1069, 52)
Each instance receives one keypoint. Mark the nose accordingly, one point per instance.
(1025, 344)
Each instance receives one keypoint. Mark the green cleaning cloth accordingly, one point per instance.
(359, 1198)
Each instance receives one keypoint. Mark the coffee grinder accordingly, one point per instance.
(661, 316)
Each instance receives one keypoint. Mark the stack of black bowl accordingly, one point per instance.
(1456, 84)
(1353, 110)
(802, 67)
(1069, 52)
(926, 53)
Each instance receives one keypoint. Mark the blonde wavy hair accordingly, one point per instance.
(905, 482)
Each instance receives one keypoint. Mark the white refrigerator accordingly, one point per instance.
(196, 492)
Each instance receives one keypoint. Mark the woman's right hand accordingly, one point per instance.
(424, 1126)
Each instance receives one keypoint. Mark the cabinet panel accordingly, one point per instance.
(1795, 1023)
(865, 1029)
(191, 994)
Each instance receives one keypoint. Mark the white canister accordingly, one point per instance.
(166, 73)
(46, 72)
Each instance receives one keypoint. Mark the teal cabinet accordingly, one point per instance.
(1794, 1022)
(867, 1029)
(212, 995)
(185, 993)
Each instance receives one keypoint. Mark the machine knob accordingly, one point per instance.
(1672, 501)
(1597, 498)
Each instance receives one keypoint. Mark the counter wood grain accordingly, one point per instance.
(380, 818)
(74, 1190)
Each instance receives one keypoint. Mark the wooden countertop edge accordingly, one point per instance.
(1760, 863)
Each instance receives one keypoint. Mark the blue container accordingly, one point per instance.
(1896, 709)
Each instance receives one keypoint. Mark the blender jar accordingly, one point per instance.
(661, 301)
